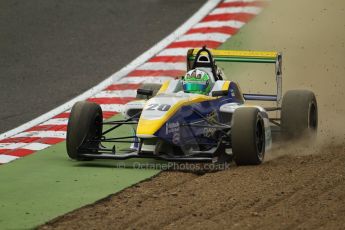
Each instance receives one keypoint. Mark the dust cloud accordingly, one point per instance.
(311, 36)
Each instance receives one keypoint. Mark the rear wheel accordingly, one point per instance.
(299, 116)
(248, 136)
(84, 126)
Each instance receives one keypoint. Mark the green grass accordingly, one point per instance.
(47, 184)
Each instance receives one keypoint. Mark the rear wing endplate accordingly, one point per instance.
(249, 57)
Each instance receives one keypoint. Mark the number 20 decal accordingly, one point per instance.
(159, 107)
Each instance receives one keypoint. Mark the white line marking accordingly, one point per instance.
(230, 10)
(116, 93)
(163, 66)
(11, 145)
(6, 158)
(218, 37)
(30, 146)
(56, 121)
(215, 24)
(240, 0)
(112, 107)
(141, 80)
(36, 146)
(175, 51)
(54, 134)
(200, 14)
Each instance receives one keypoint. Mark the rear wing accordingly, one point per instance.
(244, 56)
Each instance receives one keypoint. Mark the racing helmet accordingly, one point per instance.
(196, 81)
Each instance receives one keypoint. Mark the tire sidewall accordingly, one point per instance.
(243, 136)
(81, 126)
(296, 114)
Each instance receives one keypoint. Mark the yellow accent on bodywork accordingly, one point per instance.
(226, 85)
(241, 53)
(149, 127)
(164, 87)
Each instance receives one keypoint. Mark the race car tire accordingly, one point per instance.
(149, 86)
(84, 123)
(299, 116)
(248, 136)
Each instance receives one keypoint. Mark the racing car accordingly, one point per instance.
(199, 117)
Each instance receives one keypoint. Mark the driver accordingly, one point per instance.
(196, 81)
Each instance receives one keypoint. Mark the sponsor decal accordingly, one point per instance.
(174, 129)
(159, 107)
(208, 132)
(176, 138)
(212, 117)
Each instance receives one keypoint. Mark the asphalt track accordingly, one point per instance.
(52, 51)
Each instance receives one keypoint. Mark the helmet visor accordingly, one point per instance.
(194, 87)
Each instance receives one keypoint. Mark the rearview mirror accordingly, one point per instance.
(145, 92)
(219, 93)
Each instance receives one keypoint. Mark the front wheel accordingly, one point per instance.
(248, 136)
(84, 129)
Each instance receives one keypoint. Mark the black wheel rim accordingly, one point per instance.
(98, 127)
(313, 117)
(95, 133)
(260, 138)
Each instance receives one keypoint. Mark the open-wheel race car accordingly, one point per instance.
(200, 117)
